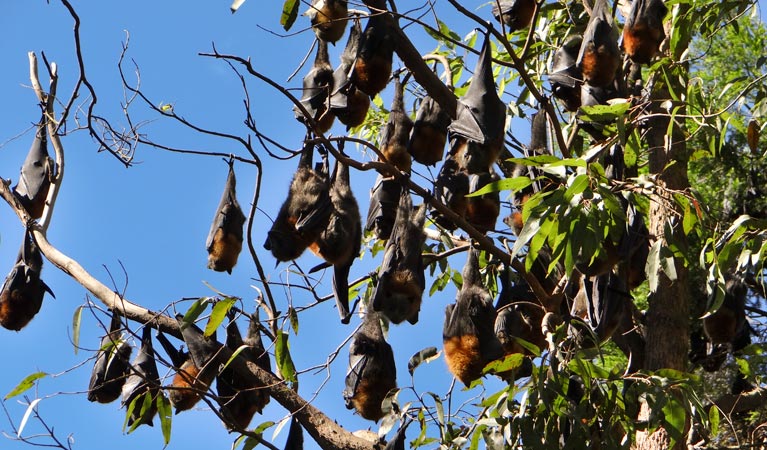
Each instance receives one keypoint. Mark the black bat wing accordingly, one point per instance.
(36, 171)
(481, 115)
(144, 378)
(317, 84)
(202, 349)
(111, 367)
(382, 211)
(295, 439)
(229, 216)
(398, 441)
(176, 355)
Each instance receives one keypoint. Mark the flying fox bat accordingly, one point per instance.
(372, 373)
(468, 337)
(516, 14)
(328, 19)
(450, 188)
(724, 325)
(601, 302)
(482, 211)
(538, 146)
(21, 295)
(599, 56)
(240, 400)
(401, 281)
(143, 384)
(396, 132)
(347, 102)
(477, 133)
(112, 365)
(565, 76)
(643, 30)
(384, 198)
(372, 68)
(519, 317)
(187, 383)
(339, 243)
(224, 241)
(36, 174)
(318, 84)
(429, 135)
(305, 212)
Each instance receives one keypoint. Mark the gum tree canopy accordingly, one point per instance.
(570, 191)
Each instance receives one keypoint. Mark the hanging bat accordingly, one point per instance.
(724, 325)
(187, 384)
(143, 384)
(347, 102)
(429, 135)
(519, 317)
(450, 188)
(36, 174)
(396, 132)
(599, 56)
(317, 86)
(601, 304)
(203, 352)
(372, 373)
(224, 241)
(384, 198)
(468, 336)
(643, 30)
(401, 281)
(372, 68)
(339, 243)
(328, 18)
(305, 212)
(565, 76)
(112, 365)
(477, 133)
(516, 14)
(538, 146)
(21, 295)
(482, 211)
(295, 439)
(240, 400)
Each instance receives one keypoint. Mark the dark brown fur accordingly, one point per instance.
(396, 132)
(401, 279)
(429, 135)
(372, 68)
(643, 30)
(599, 56)
(516, 14)
(372, 373)
(21, 295)
(225, 237)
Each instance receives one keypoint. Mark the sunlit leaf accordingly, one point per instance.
(236, 5)
(283, 358)
(165, 413)
(217, 316)
(25, 384)
(27, 413)
(76, 321)
(428, 354)
(289, 13)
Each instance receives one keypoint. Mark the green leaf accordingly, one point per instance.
(283, 358)
(217, 316)
(293, 316)
(580, 183)
(289, 13)
(507, 184)
(196, 309)
(675, 417)
(603, 113)
(713, 419)
(25, 384)
(166, 417)
(428, 354)
(76, 321)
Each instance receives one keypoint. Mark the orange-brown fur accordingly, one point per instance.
(187, 384)
(369, 395)
(357, 105)
(371, 76)
(16, 310)
(427, 144)
(641, 43)
(482, 213)
(224, 252)
(520, 16)
(329, 22)
(397, 154)
(599, 66)
(463, 357)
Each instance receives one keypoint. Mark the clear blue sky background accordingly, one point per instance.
(154, 217)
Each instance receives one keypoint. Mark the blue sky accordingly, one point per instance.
(153, 218)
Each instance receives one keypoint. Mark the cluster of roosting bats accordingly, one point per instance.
(320, 213)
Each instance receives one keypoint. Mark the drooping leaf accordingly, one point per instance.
(217, 316)
(289, 13)
(428, 354)
(282, 357)
(25, 384)
(76, 321)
